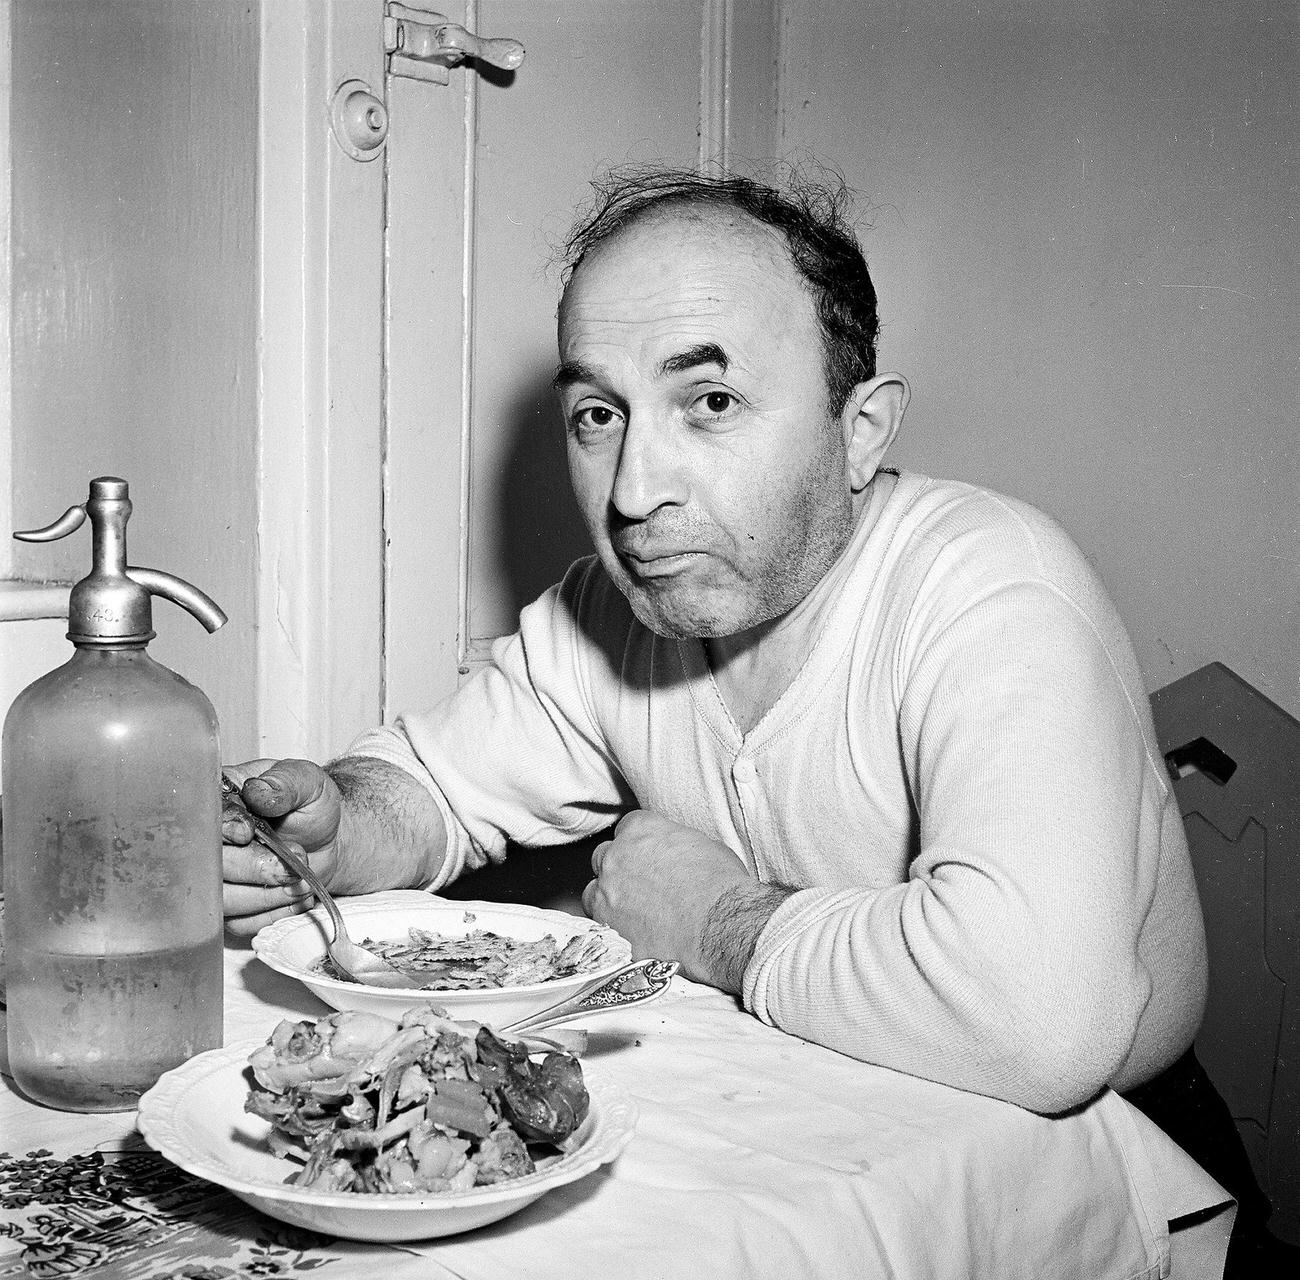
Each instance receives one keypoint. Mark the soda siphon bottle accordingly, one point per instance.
(112, 842)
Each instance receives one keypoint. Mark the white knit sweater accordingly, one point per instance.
(961, 781)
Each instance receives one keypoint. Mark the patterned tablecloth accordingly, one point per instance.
(756, 1155)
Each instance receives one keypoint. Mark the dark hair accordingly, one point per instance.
(812, 217)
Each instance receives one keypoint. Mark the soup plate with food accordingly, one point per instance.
(492, 962)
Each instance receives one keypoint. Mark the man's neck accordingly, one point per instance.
(752, 677)
(753, 668)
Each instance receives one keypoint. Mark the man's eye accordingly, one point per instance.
(715, 404)
(594, 422)
(595, 415)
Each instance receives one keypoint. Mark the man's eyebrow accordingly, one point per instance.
(574, 371)
(571, 371)
(692, 357)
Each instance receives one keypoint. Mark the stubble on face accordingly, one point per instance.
(813, 524)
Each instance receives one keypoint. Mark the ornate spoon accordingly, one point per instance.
(635, 983)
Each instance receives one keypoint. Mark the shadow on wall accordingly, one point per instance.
(540, 531)
(539, 534)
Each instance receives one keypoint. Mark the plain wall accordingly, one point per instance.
(1080, 217)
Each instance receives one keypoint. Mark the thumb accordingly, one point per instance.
(287, 785)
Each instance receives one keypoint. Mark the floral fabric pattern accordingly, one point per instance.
(127, 1212)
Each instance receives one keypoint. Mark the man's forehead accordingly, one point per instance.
(669, 238)
(684, 265)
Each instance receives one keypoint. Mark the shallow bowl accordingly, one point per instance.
(195, 1117)
(296, 945)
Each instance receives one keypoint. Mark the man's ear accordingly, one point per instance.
(870, 419)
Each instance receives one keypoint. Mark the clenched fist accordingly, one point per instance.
(677, 894)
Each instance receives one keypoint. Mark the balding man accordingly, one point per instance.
(872, 750)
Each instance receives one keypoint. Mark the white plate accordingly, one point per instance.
(295, 945)
(195, 1117)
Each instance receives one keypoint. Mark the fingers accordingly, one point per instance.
(257, 866)
(635, 821)
(285, 786)
(258, 888)
(235, 826)
(246, 914)
(594, 897)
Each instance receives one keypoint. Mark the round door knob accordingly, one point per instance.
(359, 120)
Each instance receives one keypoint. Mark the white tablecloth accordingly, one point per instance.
(756, 1155)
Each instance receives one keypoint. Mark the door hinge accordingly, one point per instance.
(424, 46)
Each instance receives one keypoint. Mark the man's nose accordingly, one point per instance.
(650, 472)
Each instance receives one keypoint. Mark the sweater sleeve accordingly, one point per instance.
(1007, 962)
(514, 754)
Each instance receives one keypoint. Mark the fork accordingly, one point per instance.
(354, 963)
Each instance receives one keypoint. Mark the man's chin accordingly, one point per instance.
(671, 618)
(687, 606)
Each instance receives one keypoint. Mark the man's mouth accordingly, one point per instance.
(656, 562)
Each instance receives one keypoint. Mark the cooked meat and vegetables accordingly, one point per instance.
(420, 1106)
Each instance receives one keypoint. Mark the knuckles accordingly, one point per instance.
(639, 822)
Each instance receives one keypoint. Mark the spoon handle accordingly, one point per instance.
(635, 983)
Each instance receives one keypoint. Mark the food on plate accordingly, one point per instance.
(423, 1105)
(482, 960)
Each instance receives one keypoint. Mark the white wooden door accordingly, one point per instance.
(400, 490)
(483, 175)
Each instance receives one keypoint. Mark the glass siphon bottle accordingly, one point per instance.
(112, 842)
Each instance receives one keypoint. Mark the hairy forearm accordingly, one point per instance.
(731, 931)
(391, 835)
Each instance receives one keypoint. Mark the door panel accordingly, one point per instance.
(484, 177)
(427, 371)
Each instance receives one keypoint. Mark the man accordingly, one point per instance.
(876, 747)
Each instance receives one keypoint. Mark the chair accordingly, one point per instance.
(1235, 759)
